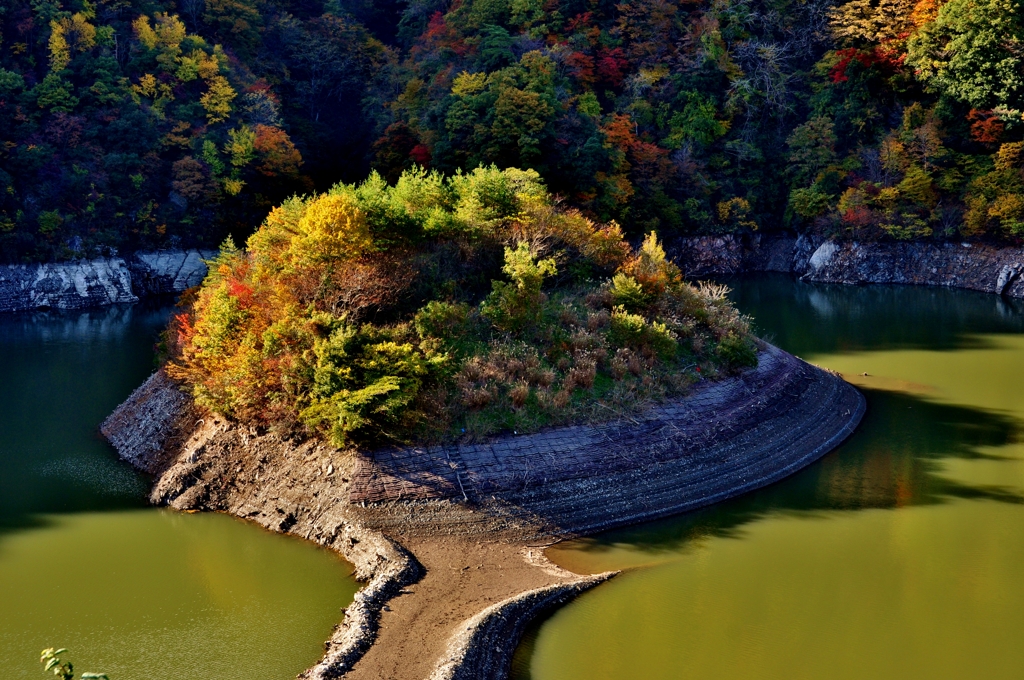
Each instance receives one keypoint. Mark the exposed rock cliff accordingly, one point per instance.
(167, 271)
(65, 285)
(974, 266)
(960, 265)
(84, 284)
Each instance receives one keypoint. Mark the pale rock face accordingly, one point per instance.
(84, 284)
(165, 272)
(1007, 275)
(975, 266)
(822, 256)
(65, 285)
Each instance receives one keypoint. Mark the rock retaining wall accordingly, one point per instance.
(975, 266)
(726, 438)
(480, 648)
(157, 430)
(84, 284)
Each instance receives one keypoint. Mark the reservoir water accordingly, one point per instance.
(133, 591)
(900, 555)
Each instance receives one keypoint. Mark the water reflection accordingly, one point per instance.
(85, 564)
(895, 460)
(63, 372)
(807, 318)
(900, 554)
(101, 324)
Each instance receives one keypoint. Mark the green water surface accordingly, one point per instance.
(133, 591)
(900, 555)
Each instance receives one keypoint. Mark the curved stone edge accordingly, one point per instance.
(735, 488)
(394, 569)
(761, 427)
(156, 427)
(484, 645)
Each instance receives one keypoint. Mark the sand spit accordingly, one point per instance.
(450, 539)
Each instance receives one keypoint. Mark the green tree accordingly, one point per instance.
(974, 51)
(495, 47)
(55, 94)
(518, 305)
(812, 148)
(237, 23)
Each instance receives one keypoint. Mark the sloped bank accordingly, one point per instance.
(450, 537)
(974, 266)
(86, 284)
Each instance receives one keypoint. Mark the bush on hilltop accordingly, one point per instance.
(442, 307)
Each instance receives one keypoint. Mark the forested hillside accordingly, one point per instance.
(133, 123)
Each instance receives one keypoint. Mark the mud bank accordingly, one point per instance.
(85, 284)
(974, 266)
(451, 538)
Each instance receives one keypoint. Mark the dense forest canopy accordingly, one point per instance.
(155, 123)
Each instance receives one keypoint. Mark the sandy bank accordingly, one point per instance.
(450, 538)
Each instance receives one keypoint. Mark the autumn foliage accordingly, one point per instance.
(159, 124)
(354, 315)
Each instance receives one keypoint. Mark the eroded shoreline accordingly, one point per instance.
(451, 584)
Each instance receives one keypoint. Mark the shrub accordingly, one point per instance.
(905, 226)
(441, 320)
(635, 332)
(629, 294)
(737, 351)
(517, 305)
(51, 661)
(651, 268)
(359, 383)
(809, 203)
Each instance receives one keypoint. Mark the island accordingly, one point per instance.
(440, 377)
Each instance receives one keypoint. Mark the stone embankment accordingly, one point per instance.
(974, 266)
(85, 284)
(450, 539)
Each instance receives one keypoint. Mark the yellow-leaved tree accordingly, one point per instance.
(216, 101)
(67, 35)
(332, 229)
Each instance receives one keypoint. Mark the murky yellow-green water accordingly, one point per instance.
(901, 555)
(133, 591)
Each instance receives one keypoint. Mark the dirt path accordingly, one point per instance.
(450, 539)
(464, 577)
